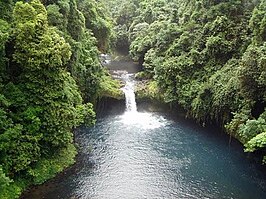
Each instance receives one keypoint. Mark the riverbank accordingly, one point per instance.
(44, 170)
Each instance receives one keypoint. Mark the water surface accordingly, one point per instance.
(154, 155)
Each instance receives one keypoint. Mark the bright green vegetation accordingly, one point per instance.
(50, 75)
(208, 56)
(148, 90)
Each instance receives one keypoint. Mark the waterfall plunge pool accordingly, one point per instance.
(154, 155)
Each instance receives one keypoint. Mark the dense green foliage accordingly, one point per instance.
(208, 56)
(49, 74)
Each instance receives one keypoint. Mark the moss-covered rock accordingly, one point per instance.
(148, 90)
(110, 87)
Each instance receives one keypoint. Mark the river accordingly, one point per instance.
(142, 154)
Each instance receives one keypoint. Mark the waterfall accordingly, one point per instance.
(128, 89)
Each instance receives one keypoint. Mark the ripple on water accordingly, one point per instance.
(147, 156)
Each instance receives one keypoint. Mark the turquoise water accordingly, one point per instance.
(146, 155)
(132, 154)
(153, 155)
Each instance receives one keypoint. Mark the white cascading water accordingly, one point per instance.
(132, 117)
(128, 89)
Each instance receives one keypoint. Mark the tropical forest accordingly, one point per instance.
(64, 79)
